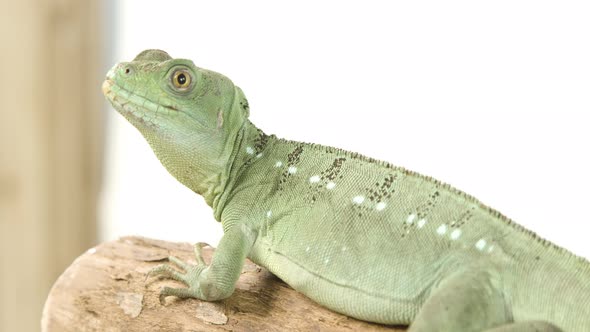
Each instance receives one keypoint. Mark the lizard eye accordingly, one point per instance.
(181, 79)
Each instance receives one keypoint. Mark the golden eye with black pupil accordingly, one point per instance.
(181, 79)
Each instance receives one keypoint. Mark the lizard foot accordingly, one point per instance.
(190, 276)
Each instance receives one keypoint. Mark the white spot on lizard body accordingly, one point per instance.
(259, 155)
(380, 206)
(314, 179)
(279, 164)
(219, 119)
(358, 199)
(411, 218)
(481, 244)
(491, 248)
(421, 223)
(344, 249)
(268, 213)
(249, 150)
(292, 170)
(455, 234)
(442, 229)
(307, 249)
(331, 185)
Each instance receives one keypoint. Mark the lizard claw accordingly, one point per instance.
(178, 292)
(199, 251)
(190, 275)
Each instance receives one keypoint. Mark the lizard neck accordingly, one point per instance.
(248, 147)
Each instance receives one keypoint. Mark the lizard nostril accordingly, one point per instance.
(127, 70)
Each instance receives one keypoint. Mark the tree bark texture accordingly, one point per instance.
(106, 289)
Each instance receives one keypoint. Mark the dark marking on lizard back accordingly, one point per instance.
(383, 190)
(328, 175)
(293, 158)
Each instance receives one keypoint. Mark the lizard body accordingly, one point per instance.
(360, 236)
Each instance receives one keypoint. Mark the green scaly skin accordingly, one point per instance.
(359, 236)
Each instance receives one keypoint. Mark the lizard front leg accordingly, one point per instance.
(216, 281)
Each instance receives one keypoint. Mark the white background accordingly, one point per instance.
(492, 97)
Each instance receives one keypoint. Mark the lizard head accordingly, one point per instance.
(190, 116)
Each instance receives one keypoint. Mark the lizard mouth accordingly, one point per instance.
(140, 107)
(106, 86)
(138, 110)
(124, 100)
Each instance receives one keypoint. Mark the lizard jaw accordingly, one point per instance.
(140, 107)
(136, 109)
(106, 86)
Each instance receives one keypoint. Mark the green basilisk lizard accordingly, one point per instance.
(360, 236)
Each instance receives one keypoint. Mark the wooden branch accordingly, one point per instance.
(105, 290)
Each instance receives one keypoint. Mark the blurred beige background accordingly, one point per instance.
(50, 147)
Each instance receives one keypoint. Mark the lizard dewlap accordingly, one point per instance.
(360, 236)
